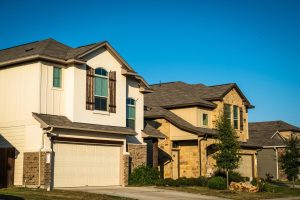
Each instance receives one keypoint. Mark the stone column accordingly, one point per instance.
(125, 169)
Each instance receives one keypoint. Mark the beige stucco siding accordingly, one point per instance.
(189, 114)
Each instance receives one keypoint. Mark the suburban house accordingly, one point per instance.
(272, 136)
(186, 115)
(69, 116)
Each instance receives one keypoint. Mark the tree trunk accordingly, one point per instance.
(227, 179)
(293, 182)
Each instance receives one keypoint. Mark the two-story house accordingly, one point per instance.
(273, 137)
(186, 114)
(69, 116)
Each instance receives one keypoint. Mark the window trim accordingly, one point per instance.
(60, 78)
(107, 97)
(202, 121)
(132, 106)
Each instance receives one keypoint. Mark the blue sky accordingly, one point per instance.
(253, 43)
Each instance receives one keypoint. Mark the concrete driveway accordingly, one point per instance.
(144, 193)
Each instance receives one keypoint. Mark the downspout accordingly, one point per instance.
(40, 152)
(277, 167)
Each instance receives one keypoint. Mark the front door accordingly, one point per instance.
(175, 164)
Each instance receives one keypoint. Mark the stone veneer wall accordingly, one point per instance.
(31, 169)
(189, 164)
(125, 170)
(138, 155)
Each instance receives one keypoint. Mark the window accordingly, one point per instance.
(57, 77)
(235, 117)
(101, 89)
(205, 119)
(227, 111)
(130, 119)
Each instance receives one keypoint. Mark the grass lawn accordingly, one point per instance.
(280, 192)
(39, 194)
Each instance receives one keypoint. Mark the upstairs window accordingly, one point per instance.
(101, 89)
(205, 119)
(235, 117)
(130, 119)
(56, 77)
(227, 111)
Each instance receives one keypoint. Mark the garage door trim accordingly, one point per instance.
(86, 141)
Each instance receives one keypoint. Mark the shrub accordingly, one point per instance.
(143, 175)
(217, 182)
(233, 176)
(269, 177)
(254, 182)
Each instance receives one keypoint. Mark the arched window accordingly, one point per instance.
(130, 118)
(101, 89)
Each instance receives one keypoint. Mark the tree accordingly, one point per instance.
(290, 160)
(227, 157)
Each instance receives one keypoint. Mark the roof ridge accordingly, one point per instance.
(268, 121)
(164, 83)
(222, 84)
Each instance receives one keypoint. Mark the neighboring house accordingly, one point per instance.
(69, 116)
(272, 136)
(186, 115)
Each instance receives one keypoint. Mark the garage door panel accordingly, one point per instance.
(86, 165)
(246, 166)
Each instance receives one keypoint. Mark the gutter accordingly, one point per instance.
(40, 151)
(39, 57)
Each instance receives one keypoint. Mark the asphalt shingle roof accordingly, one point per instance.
(262, 133)
(48, 47)
(176, 94)
(152, 132)
(158, 112)
(62, 122)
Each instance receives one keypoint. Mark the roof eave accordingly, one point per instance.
(39, 57)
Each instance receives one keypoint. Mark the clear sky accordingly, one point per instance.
(255, 43)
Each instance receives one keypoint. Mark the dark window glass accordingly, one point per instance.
(130, 114)
(227, 111)
(130, 123)
(205, 119)
(101, 103)
(57, 77)
(235, 117)
(101, 72)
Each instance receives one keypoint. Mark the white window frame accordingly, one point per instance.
(133, 106)
(107, 98)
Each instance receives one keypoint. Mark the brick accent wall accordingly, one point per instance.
(138, 155)
(31, 169)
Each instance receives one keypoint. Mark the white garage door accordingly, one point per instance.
(246, 166)
(78, 165)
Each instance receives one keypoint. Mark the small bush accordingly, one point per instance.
(143, 175)
(233, 176)
(254, 181)
(269, 177)
(217, 182)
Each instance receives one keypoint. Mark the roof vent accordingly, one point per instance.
(29, 49)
